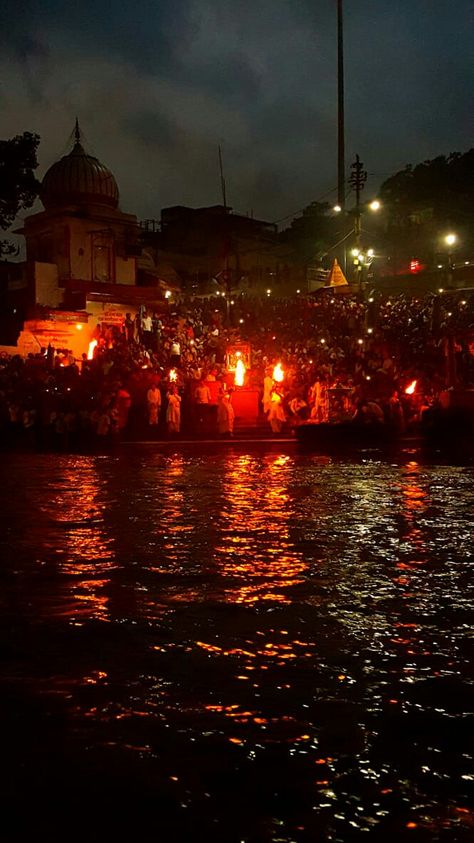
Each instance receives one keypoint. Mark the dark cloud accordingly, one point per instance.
(158, 84)
(147, 33)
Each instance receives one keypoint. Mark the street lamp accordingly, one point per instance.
(357, 180)
(450, 239)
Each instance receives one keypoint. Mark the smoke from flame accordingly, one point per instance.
(239, 373)
(278, 373)
(92, 347)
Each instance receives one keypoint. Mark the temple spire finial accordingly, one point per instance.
(77, 132)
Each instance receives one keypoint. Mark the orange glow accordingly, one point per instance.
(95, 677)
(92, 347)
(173, 375)
(89, 551)
(265, 576)
(239, 372)
(411, 388)
(278, 373)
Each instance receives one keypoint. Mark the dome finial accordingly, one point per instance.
(78, 179)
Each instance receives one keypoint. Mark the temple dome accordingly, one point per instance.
(79, 179)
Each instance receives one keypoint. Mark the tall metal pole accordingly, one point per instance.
(341, 176)
(227, 234)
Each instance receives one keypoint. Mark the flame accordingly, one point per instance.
(239, 373)
(173, 375)
(92, 347)
(411, 388)
(278, 373)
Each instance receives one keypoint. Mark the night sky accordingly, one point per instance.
(158, 84)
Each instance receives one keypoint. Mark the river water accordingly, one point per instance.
(235, 646)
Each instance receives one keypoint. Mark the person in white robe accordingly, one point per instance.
(173, 411)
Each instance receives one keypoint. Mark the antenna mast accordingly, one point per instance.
(341, 177)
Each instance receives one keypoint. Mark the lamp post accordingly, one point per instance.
(450, 240)
(357, 179)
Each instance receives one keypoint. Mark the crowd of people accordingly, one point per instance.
(167, 374)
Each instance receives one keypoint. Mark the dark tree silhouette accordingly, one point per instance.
(313, 233)
(423, 203)
(18, 184)
(444, 185)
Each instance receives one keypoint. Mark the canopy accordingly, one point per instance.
(336, 277)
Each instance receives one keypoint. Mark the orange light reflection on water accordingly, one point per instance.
(255, 547)
(414, 502)
(257, 557)
(89, 552)
(405, 638)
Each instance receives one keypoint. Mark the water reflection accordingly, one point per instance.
(173, 520)
(84, 550)
(415, 502)
(254, 546)
(276, 632)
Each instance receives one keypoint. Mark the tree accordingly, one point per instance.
(424, 201)
(18, 184)
(445, 185)
(313, 233)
